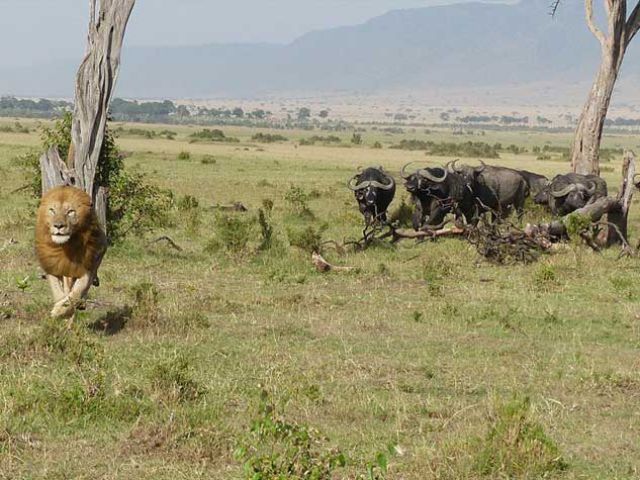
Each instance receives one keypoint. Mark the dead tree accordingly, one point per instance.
(94, 87)
(620, 31)
(95, 83)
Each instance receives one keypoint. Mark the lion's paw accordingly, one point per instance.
(63, 309)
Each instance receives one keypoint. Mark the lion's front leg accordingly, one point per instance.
(77, 290)
(57, 288)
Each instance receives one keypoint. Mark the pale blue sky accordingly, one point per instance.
(34, 30)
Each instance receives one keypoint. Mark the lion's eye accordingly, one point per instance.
(52, 211)
(71, 213)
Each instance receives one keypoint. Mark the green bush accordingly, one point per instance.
(211, 135)
(232, 233)
(298, 201)
(276, 448)
(465, 149)
(268, 138)
(308, 239)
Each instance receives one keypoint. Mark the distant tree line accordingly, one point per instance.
(42, 108)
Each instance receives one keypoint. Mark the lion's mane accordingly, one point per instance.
(78, 255)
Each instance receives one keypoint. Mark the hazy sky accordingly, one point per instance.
(34, 30)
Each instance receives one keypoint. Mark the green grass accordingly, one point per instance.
(425, 360)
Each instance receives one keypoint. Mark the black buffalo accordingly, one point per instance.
(496, 189)
(374, 190)
(437, 192)
(536, 182)
(571, 191)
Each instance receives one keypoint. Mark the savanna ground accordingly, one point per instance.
(426, 357)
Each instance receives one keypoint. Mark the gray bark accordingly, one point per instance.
(95, 82)
(619, 217)
(54, 171)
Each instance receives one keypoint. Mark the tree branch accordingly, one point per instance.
(588, 7)
(633, 23)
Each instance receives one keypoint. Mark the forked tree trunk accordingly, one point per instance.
(586, 145)
(95, 82)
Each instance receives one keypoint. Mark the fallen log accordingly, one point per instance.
(616, 209)
(402, 234)
(323, 266)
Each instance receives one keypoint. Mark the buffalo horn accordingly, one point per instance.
(382, 186)
(563, 191)
(425, 173)
(357, 186)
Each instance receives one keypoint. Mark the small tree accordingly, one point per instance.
(304, 113)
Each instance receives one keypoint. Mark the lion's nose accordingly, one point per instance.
(59, 226)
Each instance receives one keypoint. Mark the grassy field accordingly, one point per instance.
(424, 362)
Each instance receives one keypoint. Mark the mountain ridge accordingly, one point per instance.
(460, 45)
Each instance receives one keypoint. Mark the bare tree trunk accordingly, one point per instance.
(619, 217)
(94, 88)
(586, 145)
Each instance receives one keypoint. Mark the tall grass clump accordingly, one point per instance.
(174, 379)
(516, 446)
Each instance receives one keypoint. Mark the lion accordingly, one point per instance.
(70, 245)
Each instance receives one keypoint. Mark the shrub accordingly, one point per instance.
(356, 139)
(298, 201)
(319, 139)
(465, 149)
(268, 138)
(135, 206)
(276, 448)
(545, 277)
(232, 233)
(377, 145)
(208, 160)
(184, 155)
(308, 239)
(211, 135)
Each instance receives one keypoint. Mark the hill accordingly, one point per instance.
(456, 46)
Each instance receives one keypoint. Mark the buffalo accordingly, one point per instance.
(374, 190)
(569, 192)
(437, 192)
(536, 182)
(496, 189)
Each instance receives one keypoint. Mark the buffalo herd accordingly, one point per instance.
(469, 192)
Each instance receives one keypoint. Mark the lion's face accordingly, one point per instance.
(65, 211)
